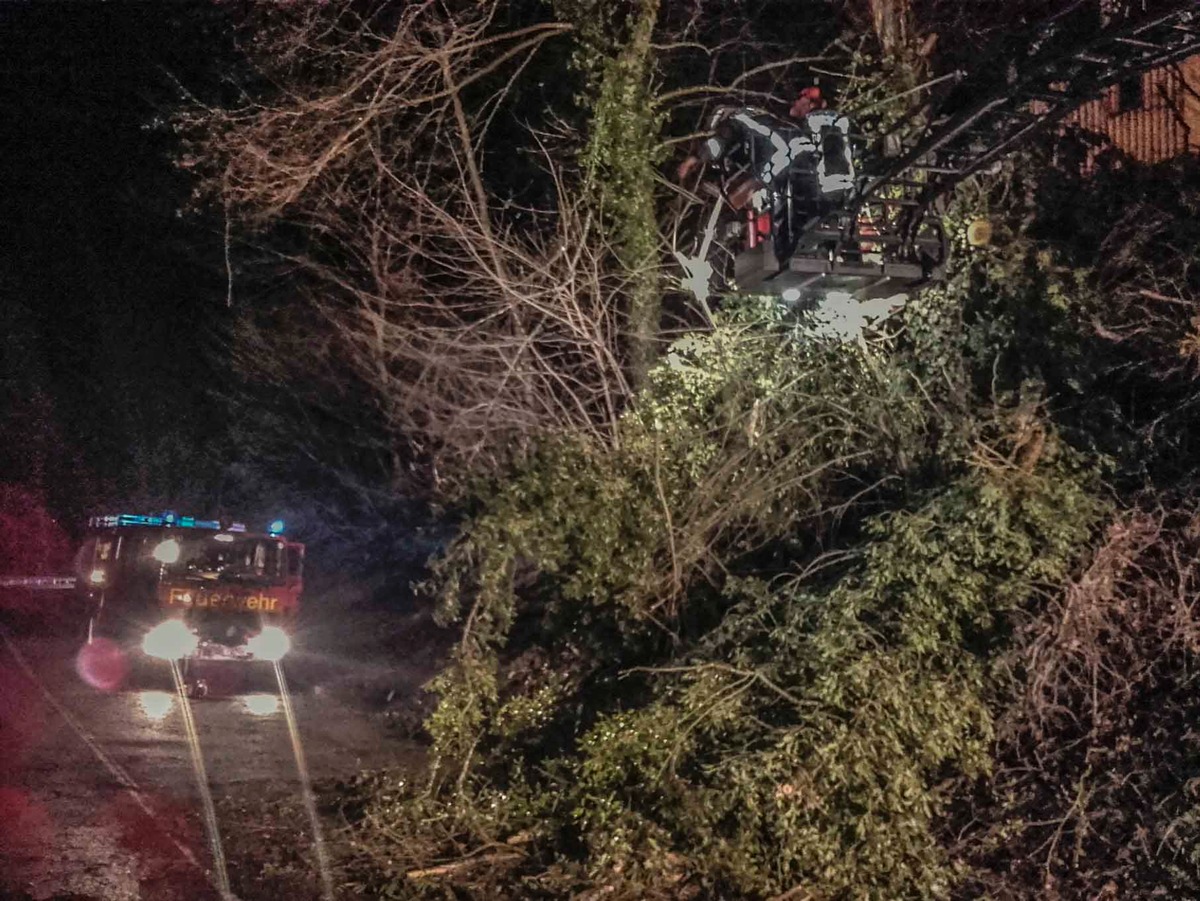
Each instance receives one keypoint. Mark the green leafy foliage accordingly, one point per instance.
(802, 741)
(743, 441)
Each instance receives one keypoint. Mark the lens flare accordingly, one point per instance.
(156, 704)
(102, 664)
(269, 644)
(170, 641)
(261, 704)
(96, 577)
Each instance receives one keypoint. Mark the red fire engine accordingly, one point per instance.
(187, 589)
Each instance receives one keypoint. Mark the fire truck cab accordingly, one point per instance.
(179, 588)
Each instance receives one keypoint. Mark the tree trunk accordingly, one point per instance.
(620, 159)
(892, 22)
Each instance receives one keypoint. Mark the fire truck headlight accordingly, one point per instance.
(269, 644)
(96, 577)
(166, 551)
(170, 641)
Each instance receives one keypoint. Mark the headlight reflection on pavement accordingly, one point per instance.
(261, 704)
(156, 704)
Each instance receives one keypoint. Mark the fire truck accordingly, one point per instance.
(191, 590)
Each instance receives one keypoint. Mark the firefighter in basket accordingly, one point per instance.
(784, 174)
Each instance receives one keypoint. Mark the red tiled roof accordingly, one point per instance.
(1159, 122)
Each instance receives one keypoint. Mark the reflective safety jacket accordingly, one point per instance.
(819, 144)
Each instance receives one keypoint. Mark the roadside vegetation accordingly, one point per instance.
(735, 613)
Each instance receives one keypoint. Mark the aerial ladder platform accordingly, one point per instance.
(888, 239)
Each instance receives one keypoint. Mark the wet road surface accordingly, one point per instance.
(98, 797)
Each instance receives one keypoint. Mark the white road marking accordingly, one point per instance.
(115, 769)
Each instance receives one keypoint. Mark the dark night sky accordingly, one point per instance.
(111, 304)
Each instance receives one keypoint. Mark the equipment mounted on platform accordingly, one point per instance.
(818, 209)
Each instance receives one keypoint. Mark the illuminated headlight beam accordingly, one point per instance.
(698, 272)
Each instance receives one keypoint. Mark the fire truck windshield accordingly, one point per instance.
(227, 558)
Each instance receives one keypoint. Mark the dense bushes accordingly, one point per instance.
(801, 742)
(742, 651)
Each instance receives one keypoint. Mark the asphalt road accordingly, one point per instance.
(98, 794)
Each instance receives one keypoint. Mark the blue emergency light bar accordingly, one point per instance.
(136, 519)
